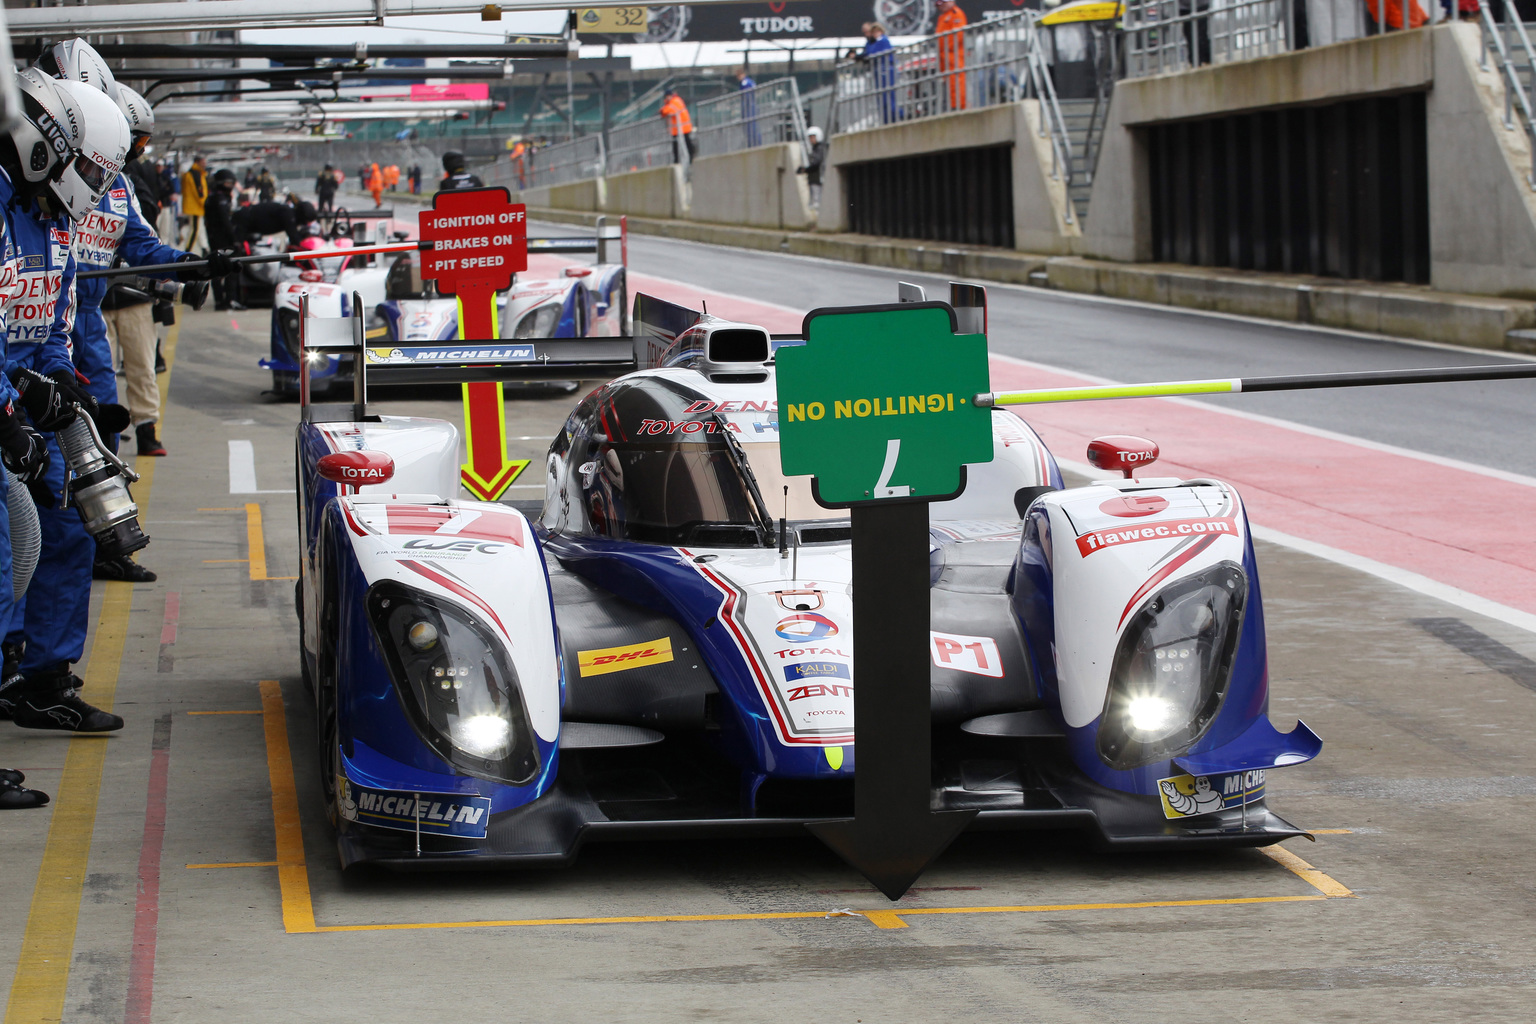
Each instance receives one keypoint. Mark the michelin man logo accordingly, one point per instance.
(1185, 796)
(1204, 800)
(344, 800)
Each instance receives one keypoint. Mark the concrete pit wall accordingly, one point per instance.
(1482, 211)
(754, 187)
(1040, 207)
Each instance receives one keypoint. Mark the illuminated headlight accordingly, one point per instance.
(455, 682)
(1171, 668)
(288, 327)
(540, 323)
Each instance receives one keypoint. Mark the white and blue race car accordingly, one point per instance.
(662, 647)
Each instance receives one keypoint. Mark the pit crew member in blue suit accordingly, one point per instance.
(40, 219)
(115, 230)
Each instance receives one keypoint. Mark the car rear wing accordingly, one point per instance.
(601, 241)
(443, 362)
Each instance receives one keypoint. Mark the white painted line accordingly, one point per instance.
(1301, 428)
(1462, 599)
(242, 470)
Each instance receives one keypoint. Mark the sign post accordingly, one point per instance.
(479, 240)
(878, 407)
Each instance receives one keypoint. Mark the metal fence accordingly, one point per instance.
(978, 66)
(1002, 60)
(763, 115)
(556, 164)
(1163, 36)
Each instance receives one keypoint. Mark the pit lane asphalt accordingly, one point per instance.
(1426, 763)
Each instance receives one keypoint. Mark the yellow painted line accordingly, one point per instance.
(1100, 392)
(1323, 883)
(299, 914)
(219, 510)
(47, 946)
(224, 712)
(238, 864)
(292, 873)
(224, 561)
(256, 541)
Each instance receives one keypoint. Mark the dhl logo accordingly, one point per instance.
(617, 659)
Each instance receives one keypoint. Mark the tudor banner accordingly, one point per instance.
(806, 19)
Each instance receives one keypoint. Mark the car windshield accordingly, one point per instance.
(656, 467)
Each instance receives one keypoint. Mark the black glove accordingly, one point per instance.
(112, 418)
(69, 385)
(221, 263)
(45, 402)
(25, 454)
(193, 273)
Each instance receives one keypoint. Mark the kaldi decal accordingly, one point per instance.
(1098, 540)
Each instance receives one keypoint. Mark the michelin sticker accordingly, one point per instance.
(1185, 796)
(405, 356)
(436, 814)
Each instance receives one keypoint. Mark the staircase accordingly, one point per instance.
(1078, 117)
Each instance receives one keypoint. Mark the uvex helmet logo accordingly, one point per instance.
(54, 134)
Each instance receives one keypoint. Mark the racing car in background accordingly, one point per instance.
(400, 307)
(573, 302)
(663, 646)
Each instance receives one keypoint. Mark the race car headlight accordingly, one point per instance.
(1171, 668)
(540, 323)
(455, 682)
(288, 327)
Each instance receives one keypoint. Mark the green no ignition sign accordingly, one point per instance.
(877, 404)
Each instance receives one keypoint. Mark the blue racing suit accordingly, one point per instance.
(8, 399)
(115, 227)
(55, 613)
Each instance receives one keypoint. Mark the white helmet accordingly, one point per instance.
(813, 134)
(101, 147)
(77, 61)
(140, 115)
(46, 133)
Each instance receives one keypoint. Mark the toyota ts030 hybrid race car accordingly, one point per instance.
(663, 646)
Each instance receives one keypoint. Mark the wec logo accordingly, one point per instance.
(480, 547)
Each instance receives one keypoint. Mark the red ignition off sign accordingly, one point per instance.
(477, 235)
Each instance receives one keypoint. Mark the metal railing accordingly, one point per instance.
(981, 65)
(998, 61)
(1507, 40)
(766, 114)
(1163, 36)
(555, 164)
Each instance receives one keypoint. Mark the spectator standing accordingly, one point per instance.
(221, 236)
(414, 177)
(325, 189)
(952, 49)
(749, 107)
(266, 186)
(518, 158)
(1393, 10)
(877, 50)
(194, 193)
(391, 177)
(250, 178)
(376, 185)
(675, 113)
(814, 165)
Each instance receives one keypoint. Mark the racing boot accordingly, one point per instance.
(10, 679)
(48, 700)
(144, 435)
(159, 359)
(121, 568)
(14, 796)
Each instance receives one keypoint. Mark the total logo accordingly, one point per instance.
(805, 626)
